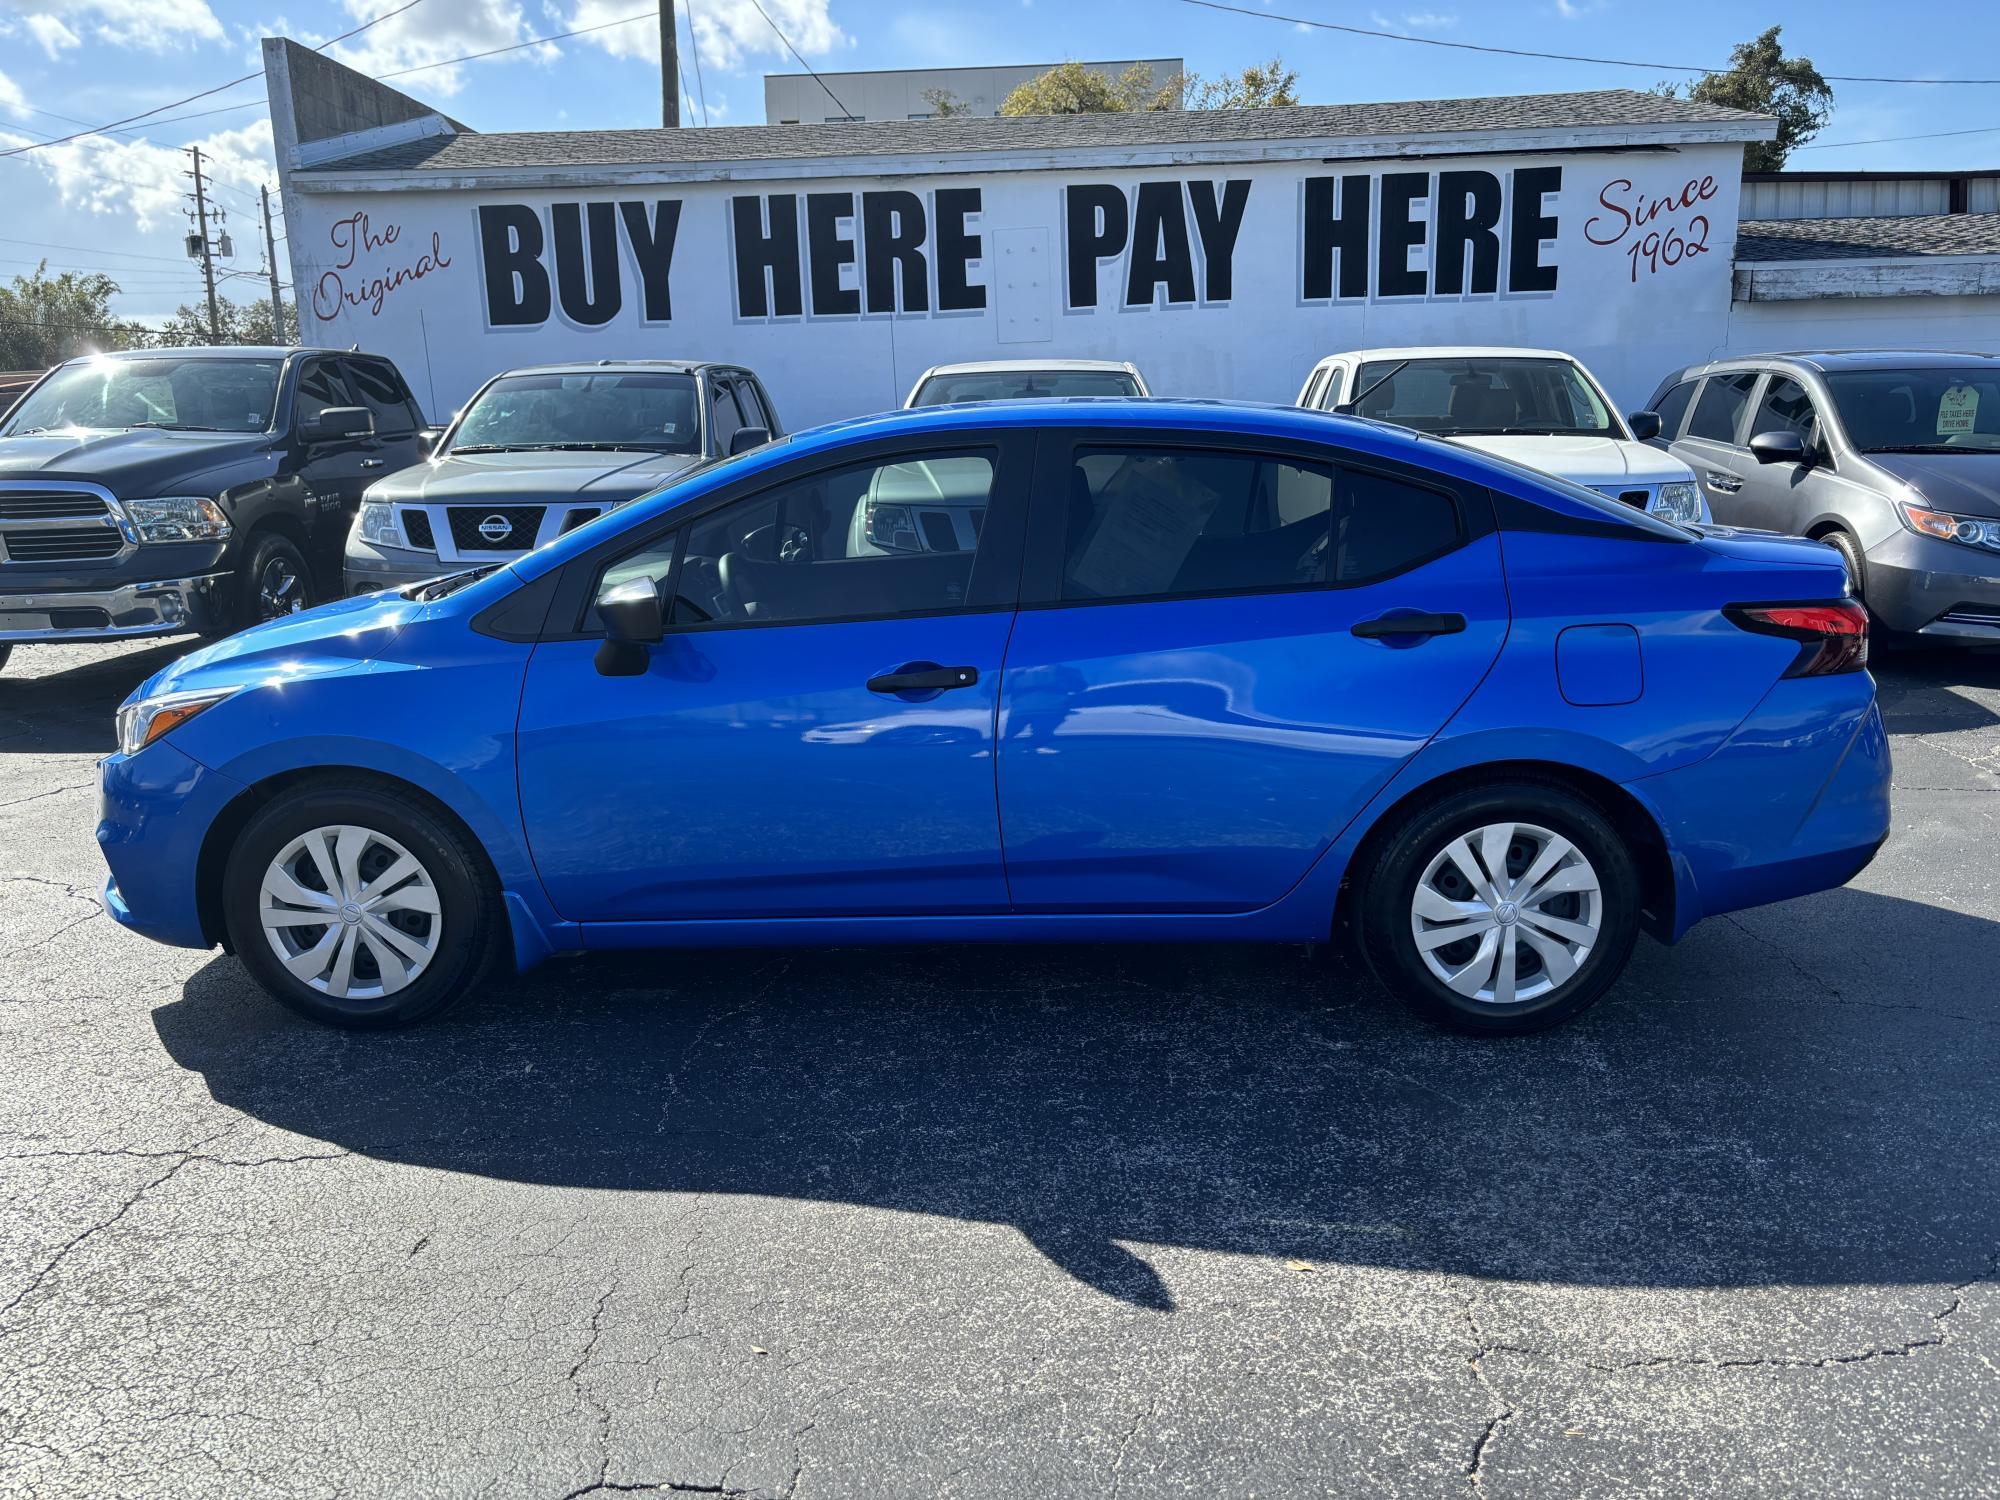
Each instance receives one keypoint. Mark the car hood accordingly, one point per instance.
(489, 477)
(1968, 483)
(136, 462)
(333, 636)
(1594, 461)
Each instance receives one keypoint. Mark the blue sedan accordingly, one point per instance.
(1075, 671)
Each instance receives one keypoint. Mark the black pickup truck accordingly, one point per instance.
(165, 492)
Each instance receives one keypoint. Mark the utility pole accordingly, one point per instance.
(670, 66)
(207, 256)
(271, 260)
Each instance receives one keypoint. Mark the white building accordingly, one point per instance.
(1224, 252)
(900, 93)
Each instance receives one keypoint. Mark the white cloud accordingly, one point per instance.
(53, 35)
(11, 98)
(1419, 20)
(1576, 10)
(147, 25)
(105, 175)
(726, 31)
(432, 32)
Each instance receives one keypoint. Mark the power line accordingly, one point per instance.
(1884, 140)
(205, 93)
(1433, 41)
(172, 260)
(533, 41)
(755, 5)
(694, 46)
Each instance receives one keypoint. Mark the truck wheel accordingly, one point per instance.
(272, 582)
(357, 905)
(1502, 910)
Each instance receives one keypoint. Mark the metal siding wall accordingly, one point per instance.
(1861, 198)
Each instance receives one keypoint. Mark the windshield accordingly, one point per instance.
(1466, 396)
(1022, 385)
(1920, 411)
(178, 393)
(644, 411)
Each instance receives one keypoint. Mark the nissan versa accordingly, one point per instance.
(1201, 672)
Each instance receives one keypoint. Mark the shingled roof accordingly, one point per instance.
(1767, 240)
(473, 151)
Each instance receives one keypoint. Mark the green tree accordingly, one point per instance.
(944, 103)
(239, 323)
(46, 319)
(1259, 86)
(1072, 89)
(1761, 78)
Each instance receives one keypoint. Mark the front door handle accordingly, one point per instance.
(920, 677)
(373, 463)
(1383, 625)
(1724, 484)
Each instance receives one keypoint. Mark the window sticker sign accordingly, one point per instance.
(1958, 410)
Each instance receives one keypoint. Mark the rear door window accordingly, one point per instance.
(1718, 412)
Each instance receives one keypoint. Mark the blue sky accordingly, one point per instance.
(111, 201)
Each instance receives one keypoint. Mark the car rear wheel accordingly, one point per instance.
(1502, 909)
(359, 907)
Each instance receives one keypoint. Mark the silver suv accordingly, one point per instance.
(540, 451)
(1892, 458)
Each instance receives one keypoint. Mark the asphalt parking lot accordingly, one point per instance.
(1008, 1222)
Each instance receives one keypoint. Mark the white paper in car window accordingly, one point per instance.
(1958, 410)
(1150, 514)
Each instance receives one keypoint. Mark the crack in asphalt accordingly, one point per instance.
(1482, 1446)
(69, 890)
(1834, 990)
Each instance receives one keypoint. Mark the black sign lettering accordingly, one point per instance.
(1401, 232)
(1528, 225)
(652, 242)
(767, 262)
(1097, 224)
(955, 248)
(1336, 230)
(1161, 252)
(1468, 217)
(590, 298)
(1217, 220)
(892, 237)
(828, 251)
(510, 249)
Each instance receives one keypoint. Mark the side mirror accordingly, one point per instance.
(336, 423)
(1778, 448)
(1645, 425)
(743, 439)
(632, 622)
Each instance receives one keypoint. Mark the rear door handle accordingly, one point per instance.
(1383, 625)
(923, 679)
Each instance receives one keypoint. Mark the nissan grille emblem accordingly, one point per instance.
(496, 528)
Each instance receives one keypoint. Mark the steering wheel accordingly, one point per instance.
(795, 545)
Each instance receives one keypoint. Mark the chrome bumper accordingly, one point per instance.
(172, 606)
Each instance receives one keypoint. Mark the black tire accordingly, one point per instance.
(1389, 894)
(271, 560)
(470, 916)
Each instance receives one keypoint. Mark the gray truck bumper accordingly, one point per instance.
(114, 612)
(369, 569)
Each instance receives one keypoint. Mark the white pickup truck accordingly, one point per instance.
(1537, 407)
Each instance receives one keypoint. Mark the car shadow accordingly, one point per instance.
(1726, 1118)
(69, 710)
(1918, 689)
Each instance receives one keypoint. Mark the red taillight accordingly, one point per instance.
(1832, 637)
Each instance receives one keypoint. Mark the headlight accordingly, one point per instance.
(177, 518)
(1972, 531)
(139, 724)
(376, 522)
(1680, 500)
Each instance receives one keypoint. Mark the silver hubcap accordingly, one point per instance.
(278, 591)
(1507, 913)
(350, 912)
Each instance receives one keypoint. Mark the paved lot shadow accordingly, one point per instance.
(68, 711)
(1725, 1119)
(1920, 689)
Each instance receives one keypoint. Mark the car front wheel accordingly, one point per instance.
(359, 906)
(1502, 909)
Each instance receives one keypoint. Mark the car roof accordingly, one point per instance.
(1452, 351)
(1829, 360)
(214, 351)
(1000, 366)
(617, 366)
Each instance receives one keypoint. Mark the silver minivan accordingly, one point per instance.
(1890, 457)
